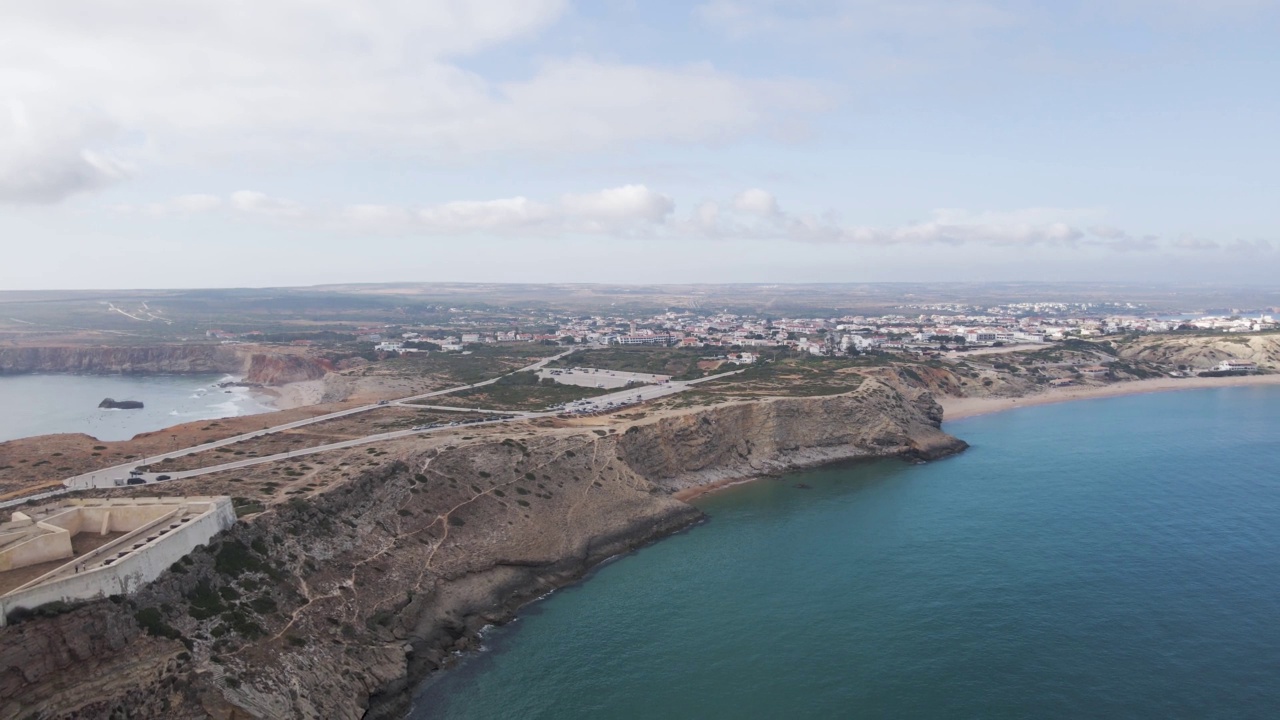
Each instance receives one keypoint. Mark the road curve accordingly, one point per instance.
(106, 477)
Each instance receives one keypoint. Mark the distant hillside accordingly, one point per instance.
(1198, 352)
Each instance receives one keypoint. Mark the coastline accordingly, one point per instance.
(955, 408)
(960, 408)
(292, 395)
(688, 495)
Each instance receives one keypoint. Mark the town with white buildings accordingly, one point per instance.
(913, 329)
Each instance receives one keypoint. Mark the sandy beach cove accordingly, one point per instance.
(959, 408)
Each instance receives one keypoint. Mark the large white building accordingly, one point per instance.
(1235, 366)
(644, 339)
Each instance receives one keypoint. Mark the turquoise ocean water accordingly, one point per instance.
(46, 404)
(1114, 558)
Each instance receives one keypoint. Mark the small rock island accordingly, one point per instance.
(111, 404)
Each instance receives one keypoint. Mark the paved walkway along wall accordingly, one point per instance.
(160, 531)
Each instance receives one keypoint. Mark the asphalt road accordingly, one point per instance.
(631, 396)
(106, 477)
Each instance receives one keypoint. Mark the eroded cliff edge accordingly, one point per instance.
(258, 365)
(337, 604)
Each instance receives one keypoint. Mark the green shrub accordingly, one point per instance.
(234, 559)
(205, 602)
(150, 620)
(263, 604)
(49, 609)
(244, 626)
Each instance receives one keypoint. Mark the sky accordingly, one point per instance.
(187, 143)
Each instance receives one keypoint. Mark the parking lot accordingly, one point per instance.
(595, 377)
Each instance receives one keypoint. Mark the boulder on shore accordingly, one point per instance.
(110, 404)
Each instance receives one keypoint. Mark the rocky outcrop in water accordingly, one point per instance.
(109, 404)
(337, 605)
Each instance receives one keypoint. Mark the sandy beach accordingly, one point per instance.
(960, 408)
(294, 395)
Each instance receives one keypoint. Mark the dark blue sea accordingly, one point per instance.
(1114, 558)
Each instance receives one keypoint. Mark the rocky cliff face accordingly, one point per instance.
(91, 660)
(150, 359)
(272, 369)
(753, 438)
(267, 368)
(336, 605)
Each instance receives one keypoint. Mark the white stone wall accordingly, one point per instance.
(132, 572)
(36, 549)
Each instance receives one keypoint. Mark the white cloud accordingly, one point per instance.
(45, 159)
(627, 204)
(388, 218)
(190, 81)
(755, 214)
(496, 216)
(182, 205)
(752, 215)
(756, 202)
(256, 203)
(195, 203)
(625, 209)
(797, 21)
(1250, 247)
(706, 217)
(612, 210)
(1188, 242)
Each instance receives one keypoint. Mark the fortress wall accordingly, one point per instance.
(72, 520)
(121, 518)
(40, 548)
(131, 572)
